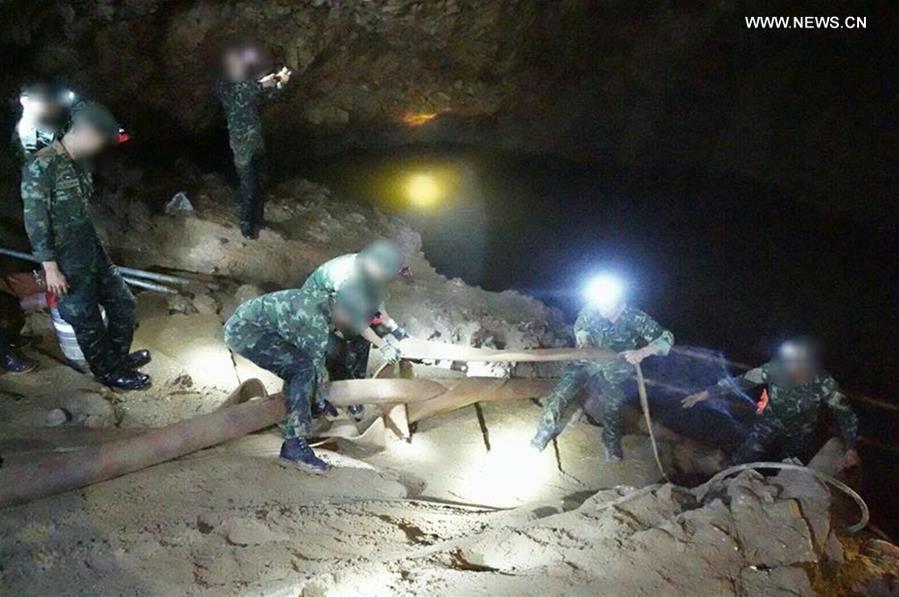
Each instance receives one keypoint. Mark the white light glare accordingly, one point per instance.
(604, 291)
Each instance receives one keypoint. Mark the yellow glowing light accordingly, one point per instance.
(423, 190)
(419, 118)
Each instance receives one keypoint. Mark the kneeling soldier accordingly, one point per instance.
(786, 421)
(607, 321)
(56, 192)
(287, 333)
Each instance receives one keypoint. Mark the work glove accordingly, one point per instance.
(391, 353)
(582, 339)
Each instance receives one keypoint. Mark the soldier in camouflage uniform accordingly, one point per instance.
(786, 420)
(56, 193)
(373, 267)
(615, 326)
(241, 96)
(287, 333)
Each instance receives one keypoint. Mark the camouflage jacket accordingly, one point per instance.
(796, 407)
(322, 284)
(56, 194)
(241, 101)
(625, 332)
(29, 138)
(290, 314)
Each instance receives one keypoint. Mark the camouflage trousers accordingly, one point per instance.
(105, 346)
(771, 440)
(602, 378)
(250, 164)
(347, 359)
(5, 348)
(291, 363)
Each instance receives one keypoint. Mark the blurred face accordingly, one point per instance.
(375, 271)
(238, 62)
(86, 140)
(41, 107)
(798, 363)
(341, 318)
(610, 310)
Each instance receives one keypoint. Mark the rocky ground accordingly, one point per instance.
(465, 507)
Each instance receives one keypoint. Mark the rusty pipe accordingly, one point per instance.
(70, 470)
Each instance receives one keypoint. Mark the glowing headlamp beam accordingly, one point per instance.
(604, 291)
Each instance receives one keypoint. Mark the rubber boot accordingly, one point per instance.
(15, 364)
(614, 453)
(138, 359)
(542, 438)
(125, 380)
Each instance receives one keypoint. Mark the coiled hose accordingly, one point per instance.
(824, 478)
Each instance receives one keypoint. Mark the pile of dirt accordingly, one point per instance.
(235, 520)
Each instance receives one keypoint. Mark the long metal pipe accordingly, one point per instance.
(149, 285)
(126, 271)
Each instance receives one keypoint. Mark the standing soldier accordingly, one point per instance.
(605, 322)
(56, 192)
(287, 333)
(786, 421)
(372, 268)
(241, 95)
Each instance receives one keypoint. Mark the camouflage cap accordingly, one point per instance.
(98, 117)
(386, 254)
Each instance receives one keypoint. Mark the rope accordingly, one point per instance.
(644, 406)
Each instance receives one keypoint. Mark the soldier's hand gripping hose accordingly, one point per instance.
(390, 351)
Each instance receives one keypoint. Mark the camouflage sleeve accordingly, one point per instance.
(658, 338)
(751, 379)
(37, 185)
(269, 92)
(583, 325)
(845, 417)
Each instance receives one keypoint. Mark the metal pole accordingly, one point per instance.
(126, 271)
(149, 286)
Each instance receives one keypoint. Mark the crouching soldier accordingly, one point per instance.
(607, 321)
(287, 333)
(786, 420)
(372, 268)
(56, 193)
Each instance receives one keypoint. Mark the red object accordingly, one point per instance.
(122, 138)
(763, 402)
(51, 300)
(376, 320)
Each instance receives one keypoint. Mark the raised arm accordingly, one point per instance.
(751, 379)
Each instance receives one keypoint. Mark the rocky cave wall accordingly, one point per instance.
(635, 85)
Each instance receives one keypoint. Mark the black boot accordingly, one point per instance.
(16, 364)
(137, 359)
(125, 380)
